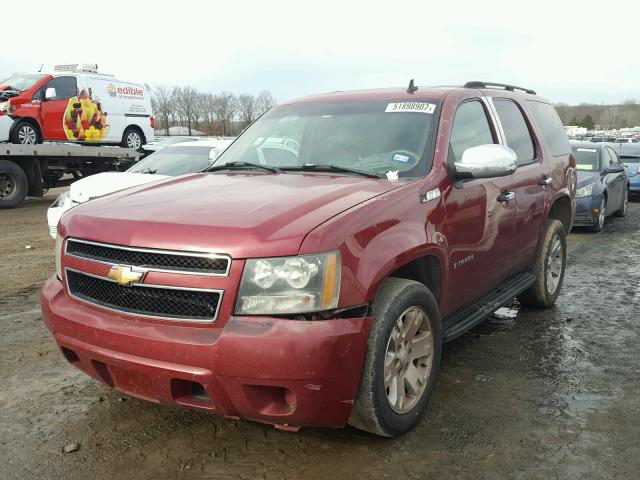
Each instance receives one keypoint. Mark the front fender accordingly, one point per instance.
(378, 237)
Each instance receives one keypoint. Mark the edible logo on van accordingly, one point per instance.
(125, 276)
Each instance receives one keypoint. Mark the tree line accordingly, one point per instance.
(214, 114)
(605, 117)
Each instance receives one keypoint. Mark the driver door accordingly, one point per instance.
(52, 110)
(480, 223)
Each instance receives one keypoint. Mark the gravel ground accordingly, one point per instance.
(526, 395)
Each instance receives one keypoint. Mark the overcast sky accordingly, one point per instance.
(578, 51)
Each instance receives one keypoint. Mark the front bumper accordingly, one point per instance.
(285, 372)
(586, 210)
(6, 123)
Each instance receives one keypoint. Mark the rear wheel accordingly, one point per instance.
(25, 133)
(403, 358)
(625, 205)
(132, 138)
(13, 184)
(548, 269)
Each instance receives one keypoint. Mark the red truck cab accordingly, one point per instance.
(311, 276)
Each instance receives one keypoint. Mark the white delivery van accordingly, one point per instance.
(74, 104)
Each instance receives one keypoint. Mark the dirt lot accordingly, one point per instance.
(542, 394)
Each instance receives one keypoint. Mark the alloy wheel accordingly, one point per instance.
(602, 214)
(134, 141)
(554, 264)
(27, 135)
(408, 359)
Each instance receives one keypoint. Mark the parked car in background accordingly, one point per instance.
(160, 142)
(174, 160)
(75, 104)
(603, 185)
(627, 140)
(632, 162)
(315, 286)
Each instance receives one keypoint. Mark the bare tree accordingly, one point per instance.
(264, 101)
(224, 107)
(246, 107)
(163, 105)
(186, 101)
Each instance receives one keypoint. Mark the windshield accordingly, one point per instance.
(375, 136)
(175, 161)
(587, 159)
(22, 82)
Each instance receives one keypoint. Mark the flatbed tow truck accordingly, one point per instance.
(30, 170)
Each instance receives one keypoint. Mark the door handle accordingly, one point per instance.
(505, 197)
(544, 181)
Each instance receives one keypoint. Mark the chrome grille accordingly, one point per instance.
(145, 300)
(160, 260)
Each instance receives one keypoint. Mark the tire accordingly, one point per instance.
(377, 409)
(25, 133)
(132, 138)
(622, 212)
(598, 225)
(548, 269)
(13, 184)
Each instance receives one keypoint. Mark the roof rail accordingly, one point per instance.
(75, 68)
(510, 88)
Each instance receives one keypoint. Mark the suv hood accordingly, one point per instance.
(240, 214)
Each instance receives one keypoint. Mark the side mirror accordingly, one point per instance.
(486, 161)
(50, 93)
(615, 168)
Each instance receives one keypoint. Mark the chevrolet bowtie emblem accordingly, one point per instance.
(125, 275)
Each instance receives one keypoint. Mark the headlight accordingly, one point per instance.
(584, 191)
(63, 201)
(307, 283)
(58, 253)
(5, 106)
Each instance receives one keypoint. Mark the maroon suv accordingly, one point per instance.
(311, 276)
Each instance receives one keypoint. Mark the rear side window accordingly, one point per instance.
(549, 123)
(516, 130)
(470, 128)
(66, 87)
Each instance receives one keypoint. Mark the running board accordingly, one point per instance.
(467, 317)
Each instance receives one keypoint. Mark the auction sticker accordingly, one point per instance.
(416, 107)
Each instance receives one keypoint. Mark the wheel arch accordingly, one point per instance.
(30, 120)
(561, 210)
(425, 265)
(136, 127)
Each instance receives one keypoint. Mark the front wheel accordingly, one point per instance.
(402, 361)
(548, 269)
(24, 133)
(132, 138)
(598, 225)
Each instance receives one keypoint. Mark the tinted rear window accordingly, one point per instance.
(551, 127)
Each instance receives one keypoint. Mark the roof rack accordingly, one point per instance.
(510, 88)
(75, 68)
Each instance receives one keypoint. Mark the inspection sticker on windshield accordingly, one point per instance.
(399, 157)
(418, 107)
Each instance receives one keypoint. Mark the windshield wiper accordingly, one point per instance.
(312, 167)
(242, 166)
(148, 170)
